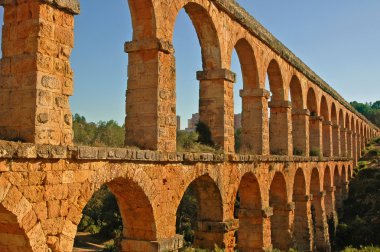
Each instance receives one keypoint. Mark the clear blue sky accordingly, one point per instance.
(338, 39)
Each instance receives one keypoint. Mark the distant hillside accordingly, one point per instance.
(360, 223)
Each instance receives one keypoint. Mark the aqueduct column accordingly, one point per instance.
(302, 228)
(345, 189)
(267, 214)
(316, 134)
(150, 107)
(301, 131)
(343, 141)
(338, 197)
(210, 233)
(322, 240)
(355, 148)
(349, 144)
(336, 139)
(330, 210)
(255, 135)
(359, 146)
(327, 139)
(363, 142)
(36, 77)
(281, 128)
(216, 107)
(281, 221)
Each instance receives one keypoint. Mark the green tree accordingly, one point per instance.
(369, 110)
(204, 134)
(101, 215)
(97, 134)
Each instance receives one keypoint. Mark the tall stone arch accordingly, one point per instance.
(321, 234)
(280, 126)
(315, 124)
(343, 135)
(335, 131)
(326, 128)
(280, 228)
(338, 188)
(139, 223)
(329, 189)
(250, 233)
(254, 100)
(19, 227)
(302, 229)
(209, 213)
(300, 119)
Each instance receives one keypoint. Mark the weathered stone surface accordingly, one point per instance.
(54, 192)
(46, 183)
(71, 6)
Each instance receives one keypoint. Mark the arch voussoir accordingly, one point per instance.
(20, 228)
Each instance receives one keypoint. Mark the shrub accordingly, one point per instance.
(204, 134)
(315, 152)
(188, 142)
(361, 249)
(298, 152)
(111, 248)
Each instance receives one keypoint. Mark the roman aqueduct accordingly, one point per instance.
(46, 181)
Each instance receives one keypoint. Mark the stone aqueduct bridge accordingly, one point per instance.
(286, 196)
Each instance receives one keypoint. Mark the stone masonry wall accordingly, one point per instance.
(36, 77)
(45, 188)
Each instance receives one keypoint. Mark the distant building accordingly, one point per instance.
(192, 123)
(178, 123)
(237, 121)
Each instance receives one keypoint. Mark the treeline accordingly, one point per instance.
(100, 134)
(111, 134)
(369, 110)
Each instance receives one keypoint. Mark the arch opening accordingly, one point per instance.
(249, 213)
(315, 137)
(301, 230)
(344, 183)
(193, 111)
(298, 118)
(327, 187)
(335, 133)
(349, 136)
(326, 128)
(280, 218)
(278, 111)
(353, 140)
(104, 72)
(317, 212)
(185, 40)
(119, 215)
(247, 79)
(207, 35)
(338, 189)
(12, 235)
(210, 93)
(200, 206)
(343, 135)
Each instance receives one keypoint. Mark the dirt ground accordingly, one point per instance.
(86, 242)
